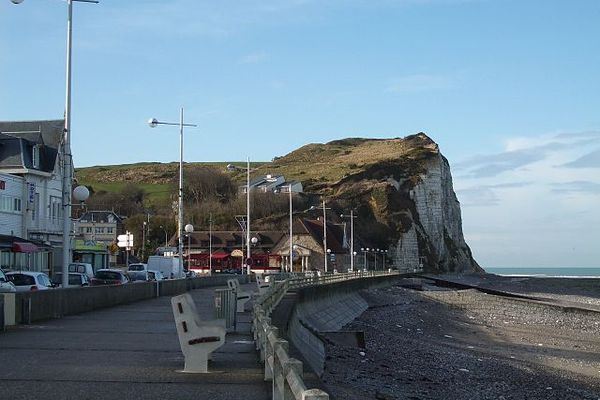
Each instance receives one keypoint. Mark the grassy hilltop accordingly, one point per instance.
(322, 168)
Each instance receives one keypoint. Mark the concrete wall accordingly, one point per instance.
(326, 308)
(47, 304)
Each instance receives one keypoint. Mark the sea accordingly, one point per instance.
(556, 272)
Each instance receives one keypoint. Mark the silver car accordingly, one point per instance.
(26, 281)
(6, 286)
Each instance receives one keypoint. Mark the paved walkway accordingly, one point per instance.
(125, 352)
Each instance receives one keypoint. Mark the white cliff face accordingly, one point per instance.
(436, 236)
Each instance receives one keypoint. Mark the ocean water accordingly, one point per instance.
(579, 272)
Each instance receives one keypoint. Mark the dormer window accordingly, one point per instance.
(35, 156)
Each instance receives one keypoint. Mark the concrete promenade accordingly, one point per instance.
(126, 352)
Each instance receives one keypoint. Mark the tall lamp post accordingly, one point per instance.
(210, 221)
(166, 238)
(189, 229)
(291, 263)
(352, 252)
(324, 229)
(153, 124)
(365, 251)
(248, 255)
(67, 178)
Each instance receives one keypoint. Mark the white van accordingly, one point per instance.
(82, 268)
(169, 266)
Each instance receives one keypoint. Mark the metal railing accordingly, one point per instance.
(285, 372)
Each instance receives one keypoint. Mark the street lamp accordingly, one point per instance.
(364, 251)
(153, 122)
(210, 221)
(291, 262)
(166, 239)
(352, 252)
(67, 178)
(189, 228)
(324, 229)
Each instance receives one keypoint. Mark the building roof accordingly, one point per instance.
(100, 216)
(18, 138)
(233, 239)
(335, 234)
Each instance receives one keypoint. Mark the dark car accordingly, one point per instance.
(110, 277)
(75, 279)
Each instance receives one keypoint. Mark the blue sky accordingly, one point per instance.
(509, 89)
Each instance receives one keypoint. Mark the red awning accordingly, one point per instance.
(24, 247)
(219, 256)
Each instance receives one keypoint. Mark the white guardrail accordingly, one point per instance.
(285, 372)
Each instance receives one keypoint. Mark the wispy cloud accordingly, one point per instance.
(586, 187)
(486, 195)
(420, 83)
(590, 160)
(254, 58)
(523, 151)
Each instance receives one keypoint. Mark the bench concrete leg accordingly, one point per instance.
(196, 363)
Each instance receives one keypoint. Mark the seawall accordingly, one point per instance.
(304, 316)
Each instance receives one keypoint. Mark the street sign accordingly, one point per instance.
(125, 240)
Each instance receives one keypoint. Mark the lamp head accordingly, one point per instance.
(80, 193)
(153, 122)
(254, 240)
(16, 1)
(189, 228)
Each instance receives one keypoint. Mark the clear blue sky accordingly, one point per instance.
(509, 89)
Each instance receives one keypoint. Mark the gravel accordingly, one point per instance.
(467, 345)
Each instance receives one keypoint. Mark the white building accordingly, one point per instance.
(273, 184)
(31, 194)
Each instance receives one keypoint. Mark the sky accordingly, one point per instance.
(509, 89)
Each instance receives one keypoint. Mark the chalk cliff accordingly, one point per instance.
(402, 191)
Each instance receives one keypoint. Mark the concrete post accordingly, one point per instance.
(292, 365)
(278, 377)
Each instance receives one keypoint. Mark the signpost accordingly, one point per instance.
(126, 241)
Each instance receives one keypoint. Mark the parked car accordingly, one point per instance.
(76, 279)
(138, 276)
(6, 286)
(26, 281)
(110, 277)
(155, 275)
(82, 268)
(138, 267)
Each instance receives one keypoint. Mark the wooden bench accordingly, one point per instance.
(241, 297)
(197, 338)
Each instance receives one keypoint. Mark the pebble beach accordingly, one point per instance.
(445, 343)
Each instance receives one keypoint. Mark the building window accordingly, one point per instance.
(10, 204)
(55, 208)
(99, 230)
(109, 230)
(88, 229)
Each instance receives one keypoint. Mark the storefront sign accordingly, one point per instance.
(31, 192)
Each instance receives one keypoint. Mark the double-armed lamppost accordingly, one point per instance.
(153, 124)
(67, 177)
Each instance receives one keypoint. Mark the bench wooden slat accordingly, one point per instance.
(206, 339)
